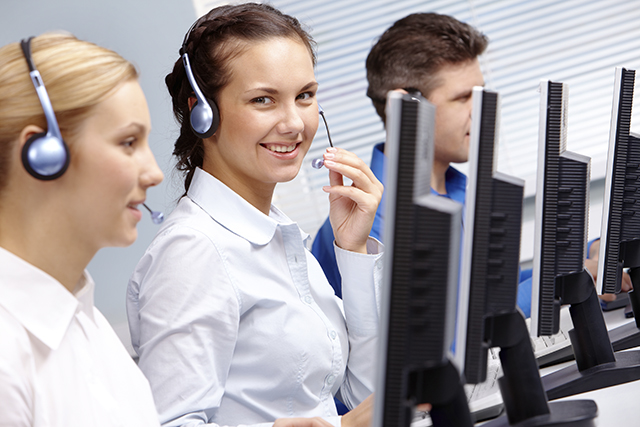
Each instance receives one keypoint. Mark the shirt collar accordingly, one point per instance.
(38, 301)
(456, 184)
(233, 212)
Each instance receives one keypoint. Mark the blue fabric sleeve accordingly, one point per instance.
(589, 245)
(524, 296)
(324, 252)
(525, 274)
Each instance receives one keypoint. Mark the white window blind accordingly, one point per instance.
(577, 42)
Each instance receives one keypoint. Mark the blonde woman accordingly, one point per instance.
(61, 364)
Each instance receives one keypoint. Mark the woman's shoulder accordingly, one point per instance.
(16, 353)
(190, 249)
(187, 222)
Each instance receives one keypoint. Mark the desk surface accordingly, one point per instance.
(617, 404)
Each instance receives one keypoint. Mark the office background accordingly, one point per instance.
(577, 42)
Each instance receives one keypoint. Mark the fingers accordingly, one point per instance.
(591, 264)
(351, 166)
(424, 407)
(365, 201)
(626, 285)
(301, 422)
(607, 297)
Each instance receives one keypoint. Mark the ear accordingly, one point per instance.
(192, 101)
(27, 133)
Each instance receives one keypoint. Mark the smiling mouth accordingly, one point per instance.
(278, 148)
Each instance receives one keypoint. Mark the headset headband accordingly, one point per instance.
(45, 156)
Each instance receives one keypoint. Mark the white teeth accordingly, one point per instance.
(282, 148)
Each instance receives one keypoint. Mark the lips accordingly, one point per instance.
(281, 148)
(133, 207)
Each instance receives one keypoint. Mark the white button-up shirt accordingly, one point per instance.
(61, 364)
(235, 322)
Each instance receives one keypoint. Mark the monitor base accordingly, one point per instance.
(573, 413)
(625, 337)
(570, 380)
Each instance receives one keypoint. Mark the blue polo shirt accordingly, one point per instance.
(456, 185)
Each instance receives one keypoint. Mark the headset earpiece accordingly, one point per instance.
(204, 117)
(45, 155)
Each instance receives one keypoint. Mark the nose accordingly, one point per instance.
(151, 174)
(291, 121)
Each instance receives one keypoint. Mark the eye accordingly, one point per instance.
(128, 143)
(465, 97)
(262, 100)
(305, 96)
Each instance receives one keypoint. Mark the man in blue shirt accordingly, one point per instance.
(437, 56)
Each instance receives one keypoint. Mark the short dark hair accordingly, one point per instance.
(219, 36)
(411, 52)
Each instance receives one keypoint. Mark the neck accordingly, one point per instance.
(438, 181)
(258, 194)
(259, 199)
(46, 244)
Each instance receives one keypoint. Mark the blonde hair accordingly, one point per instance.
(77, 74)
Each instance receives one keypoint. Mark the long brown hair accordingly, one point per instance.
(216, 38)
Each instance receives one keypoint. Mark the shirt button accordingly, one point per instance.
(308, 299)
(333, 335)
(330, 379)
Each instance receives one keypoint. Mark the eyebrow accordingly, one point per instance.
(273, 91)
(466, 93)
(132, 127)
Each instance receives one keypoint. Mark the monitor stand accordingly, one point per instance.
(524, 397)
(596, 364)
(628, 335)
(442, 387)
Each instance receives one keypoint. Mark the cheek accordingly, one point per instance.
(246, 127)
(311, 122)
(117, 176)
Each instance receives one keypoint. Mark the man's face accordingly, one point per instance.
(452, 98)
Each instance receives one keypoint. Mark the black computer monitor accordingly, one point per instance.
(559, 276)
(422, 249)
(620, 231)
(561, 210)
(489, 283)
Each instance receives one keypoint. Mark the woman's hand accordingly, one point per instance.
(301, 422)
(361, 415)
(353, 208)
(591, 264)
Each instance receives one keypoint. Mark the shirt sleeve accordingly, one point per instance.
(184, 314)
(16, 378)
(362, 279)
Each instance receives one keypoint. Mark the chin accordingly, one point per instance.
(126, 239)
(289, 174)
